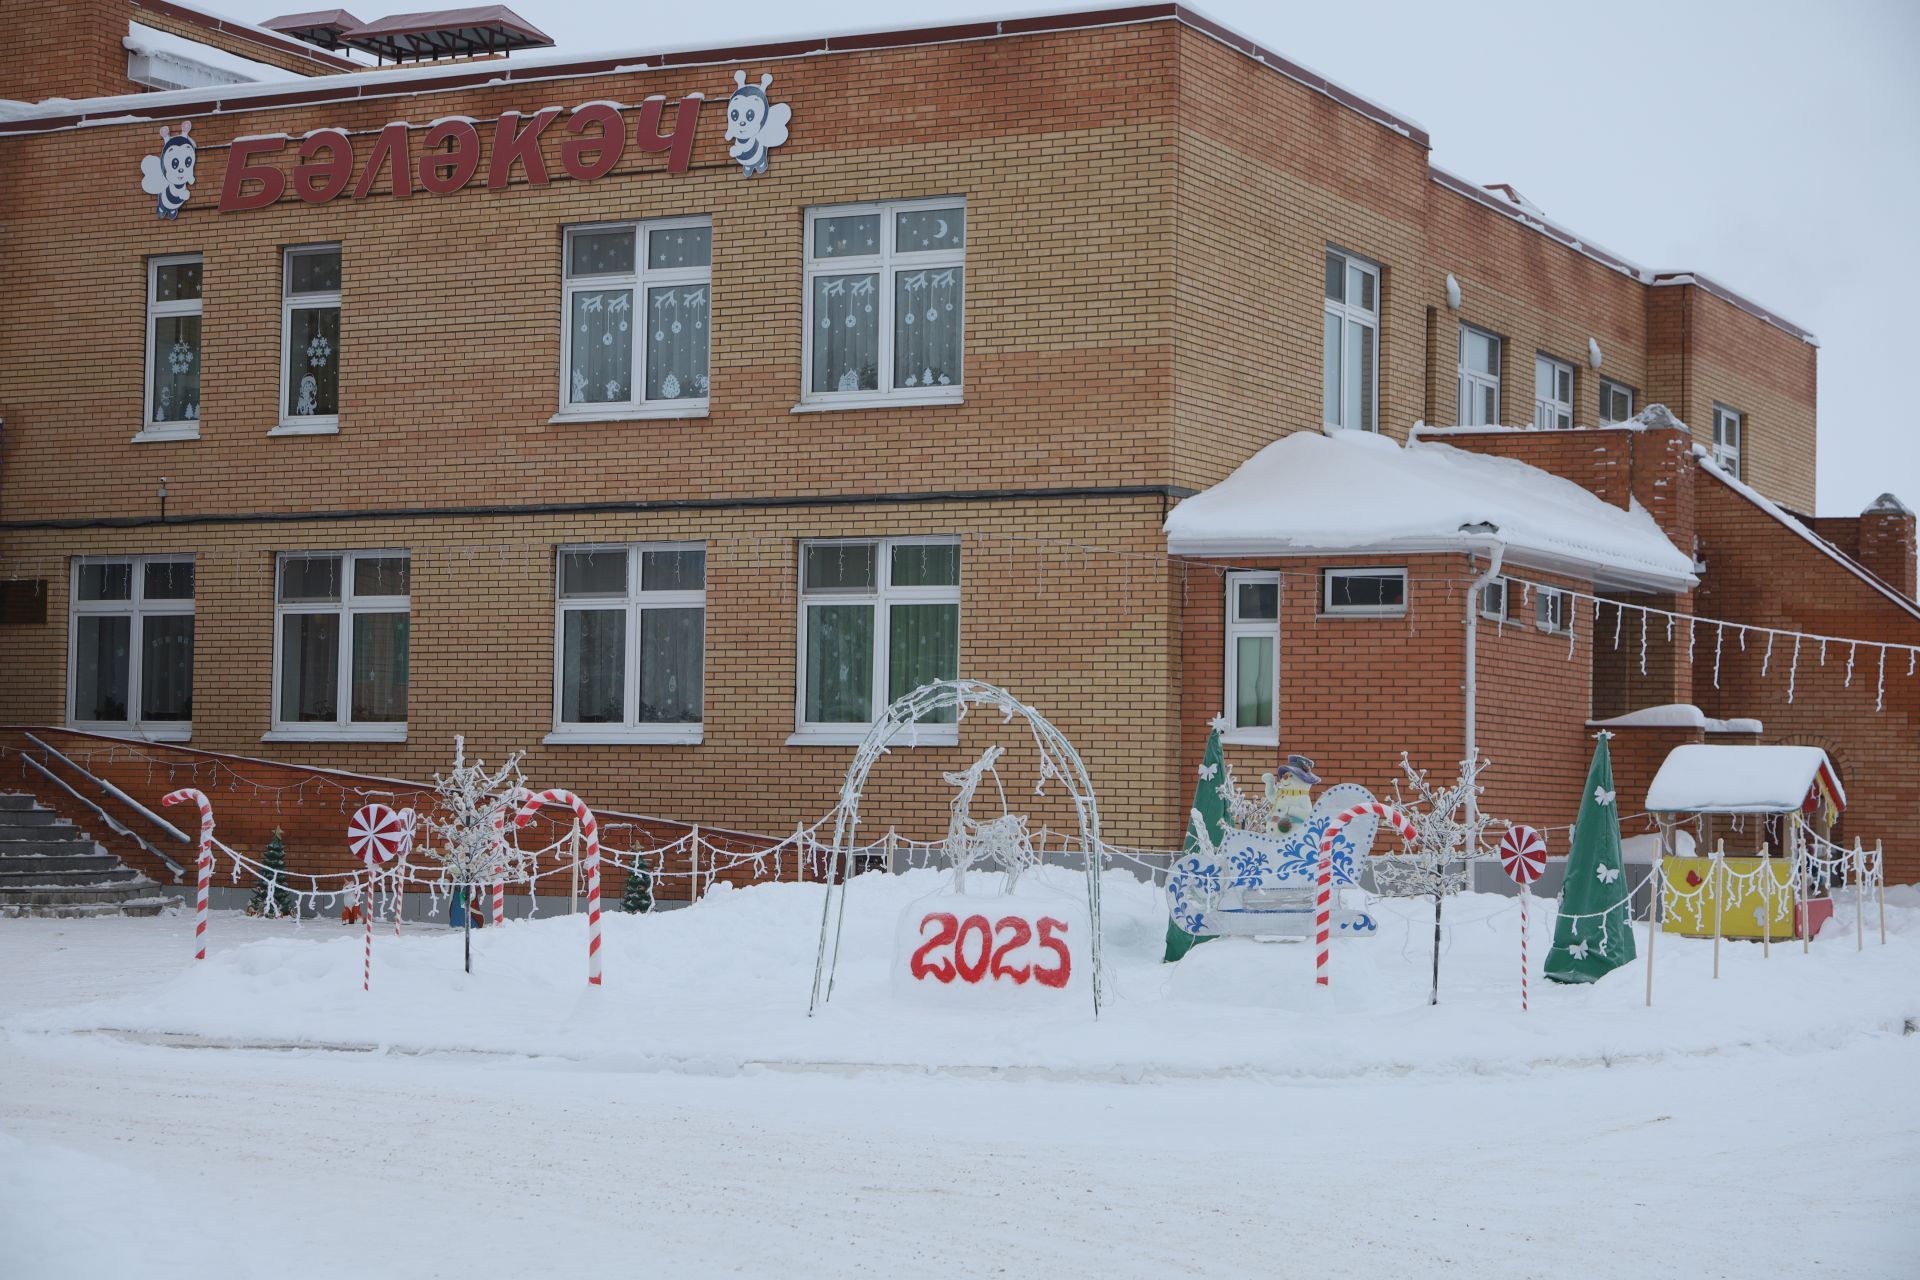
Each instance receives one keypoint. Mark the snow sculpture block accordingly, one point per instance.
(989, 950)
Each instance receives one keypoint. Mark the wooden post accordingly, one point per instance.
(1766, 906)
(1719, 898)
(1880, 887)
(1859, 895)
(1801, 853)
(1653, 900)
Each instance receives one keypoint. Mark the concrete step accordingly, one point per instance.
(15, 800)
(13, 819)
(12, 877)
(70, 843)
(150, 906)
(83, 859)
(135, 890)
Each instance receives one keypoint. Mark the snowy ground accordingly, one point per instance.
(258, 1114)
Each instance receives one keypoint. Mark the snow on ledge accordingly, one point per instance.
(201, 66)
(1677, 715)
(1702, 778)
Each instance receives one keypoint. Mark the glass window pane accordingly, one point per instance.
(1253, 681)
(673, 570)
(1258, 602)
(1360, 284)
(600, 253)
(313, 362)
(926, 327)
(317, 272)
(1336, 278)
(382, 576)
(166, 667)
(677, 342)
(840, 566)
(846, 333)
(176, 369)
(1489, 407)
(923, 645)
(856, 235)
(593, 573)
(1360, 374)
(839, 671)
(379, 693)
(112, 581)
(1330, 369)
(925, 230)
(1563, 385)
(176, 281)
(100, 667)
(168, 580)
(309, 667)
(602, 346)
(1366, 590)
(672, 653)
(593, 666)
(1543, 379)
(674, 247)
(926, 564)
(309, 579)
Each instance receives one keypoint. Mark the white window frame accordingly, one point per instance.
(1608, 388)
(636, 601)
(1500, 590)
(1552, 610)
(1552, 414)
(1330, 610)
(884, 594)
(183, 428)
(1727, 444)
(341, 728)
(886, 265)
(1472, 380)
(1345, 312)
(137, 607)
(313, 424)
(1265, 628)
(639, 280)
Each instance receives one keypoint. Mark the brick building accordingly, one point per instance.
(582, 406)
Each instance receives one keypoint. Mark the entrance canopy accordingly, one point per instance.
(1700, 778)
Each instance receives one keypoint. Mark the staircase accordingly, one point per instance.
(48, 868)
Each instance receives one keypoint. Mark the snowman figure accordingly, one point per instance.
(754, 125)
(169, 175)
(1290, 795)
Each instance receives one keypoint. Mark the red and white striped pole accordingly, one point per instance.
(366, 914)
(1323, 900)
(203, 863)
(506, 806)
(1523, 853)
(591, 831)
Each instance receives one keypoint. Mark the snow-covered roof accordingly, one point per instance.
(174, 61)
(1677, 715)
(1355, 491)
(1702, 778)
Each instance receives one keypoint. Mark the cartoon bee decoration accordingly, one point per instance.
(754, 125)
(169, 175)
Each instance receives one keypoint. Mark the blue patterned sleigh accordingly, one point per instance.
(1255, 884)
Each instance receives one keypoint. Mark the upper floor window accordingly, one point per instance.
(310, 339)
(1552, 394)
(885, 302)
(1552, 609)
(1495, 598)
(636, 308)
(130, 660)
(173, 348)
(1616, 401)
(1363, 591)
(1479, 377)
(1253, 647)
(878, 619)
(1727, 424)
(631, 653)
(341, 644)
(1350, 375)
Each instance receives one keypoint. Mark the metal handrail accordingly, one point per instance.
(113, 791)
(179, 871)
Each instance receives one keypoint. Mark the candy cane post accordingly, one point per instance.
(375, 833)
(1523, 852)
(1323, 901)
(508, 805)
(203, 863)
(591, 831)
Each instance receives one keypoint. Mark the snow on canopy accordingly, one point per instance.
(1701, 778)
(1357, 491)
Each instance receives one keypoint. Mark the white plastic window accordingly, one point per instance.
(1479, 377)
(1350, 343)
(1252, 659)
(636, 326)
(173, 348)
(878, 619)
(1375, 592)
(1552, 394)
(341, 643)
(130, 646)
(630, 651)
(885, 302)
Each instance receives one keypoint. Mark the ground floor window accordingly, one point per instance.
(1253, 650)
(131, 652)
(342, 623)
(631, 648)
(878, 618)
(1552, 609)
(1380, 592)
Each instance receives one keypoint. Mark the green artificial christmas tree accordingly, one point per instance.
(637, 898)
(1212, 808)
(1594, 935)
(270, 896)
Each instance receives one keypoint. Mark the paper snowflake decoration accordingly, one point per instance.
(319, 351)
(180, 356)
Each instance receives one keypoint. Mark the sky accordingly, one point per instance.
(1767, 144)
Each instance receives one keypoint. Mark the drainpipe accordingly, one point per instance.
(1496, 550)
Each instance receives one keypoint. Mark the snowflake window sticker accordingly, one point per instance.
(319, 351)
(180, 356)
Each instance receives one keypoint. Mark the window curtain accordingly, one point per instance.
(846, 333)
(923, 645)
(926, 327)
(176, 369)
(309, 667)
(101, 646)
(671, 642)
(602, 346)
(593, 666)
(839, 664)
(1253, 682)
(677, 342)
(166, 667)
(380, 667)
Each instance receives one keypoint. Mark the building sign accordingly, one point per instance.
(594, 137)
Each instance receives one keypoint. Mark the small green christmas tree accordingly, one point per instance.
(637, 898)
(270, 896)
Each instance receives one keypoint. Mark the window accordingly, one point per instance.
(1253, 644)
(340, 652)
(1552, 394)
(1727, 424)
(877, 619)
(636, 307)
(1552, 609)
(131, 654)
(310, 340)
(632, 646)
(1363, 591)
(1351, 332)
(1493, 600)
(1479, 378)
(173, 349)
(1616, 402)
(884, 302)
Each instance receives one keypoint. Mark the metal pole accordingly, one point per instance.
(1766, 908)
(693, 876)
(1880, 886)
(1859, 895)
(1653, 900)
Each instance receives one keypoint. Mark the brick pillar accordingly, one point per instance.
(1661, 476)
(1887, 543)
